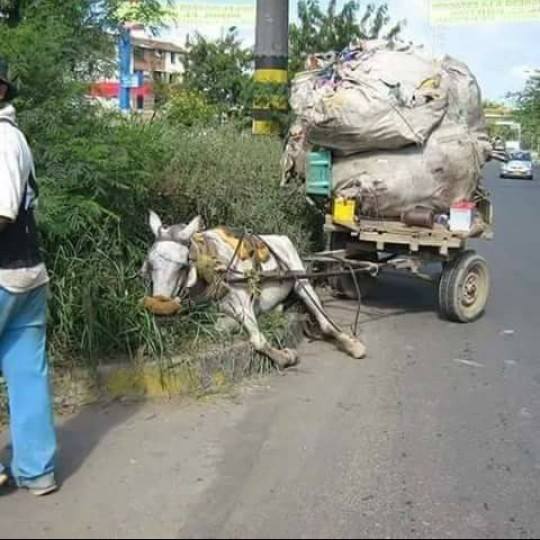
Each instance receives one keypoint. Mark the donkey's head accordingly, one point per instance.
(168, 265)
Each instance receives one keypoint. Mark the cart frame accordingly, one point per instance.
(464, 282)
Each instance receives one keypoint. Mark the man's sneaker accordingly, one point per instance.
(41, 486)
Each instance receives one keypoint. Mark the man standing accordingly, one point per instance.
(23, 304)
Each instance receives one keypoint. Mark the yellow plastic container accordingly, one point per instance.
(344, 210)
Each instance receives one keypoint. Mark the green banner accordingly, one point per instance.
(225, 13)
(447, 12)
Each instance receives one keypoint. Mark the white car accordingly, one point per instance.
(519, 165)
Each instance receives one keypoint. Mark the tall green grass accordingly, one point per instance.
(100, 174)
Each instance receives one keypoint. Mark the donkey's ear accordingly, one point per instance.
(155, 223)
(193, 227)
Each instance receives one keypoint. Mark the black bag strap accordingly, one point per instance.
(31, 180)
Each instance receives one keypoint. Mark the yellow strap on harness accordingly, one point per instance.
(210, 268)
(250, 248)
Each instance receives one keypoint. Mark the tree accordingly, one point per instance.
(220, 69)
(333, 30)
(103, 12)
(56, 47)
(528, 111)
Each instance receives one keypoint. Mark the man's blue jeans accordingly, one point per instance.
(23, 362)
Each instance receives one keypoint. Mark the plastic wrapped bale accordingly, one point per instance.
(319, 61)
(294, 157)
(387, 184)
(380, 99)
(307, 88)
(368, 117)
(464, 95)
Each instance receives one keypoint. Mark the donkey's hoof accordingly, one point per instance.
(285, 358)
(353, 347)
(293, 358)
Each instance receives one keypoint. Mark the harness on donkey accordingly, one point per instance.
(213, 270)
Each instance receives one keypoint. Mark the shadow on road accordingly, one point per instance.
(398, 291)
(80, 435)
(394, 294)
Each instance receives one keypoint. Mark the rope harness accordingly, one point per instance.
(212, 270)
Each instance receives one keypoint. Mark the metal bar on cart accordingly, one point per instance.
(287, 276)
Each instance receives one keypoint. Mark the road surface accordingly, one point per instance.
(436, 434)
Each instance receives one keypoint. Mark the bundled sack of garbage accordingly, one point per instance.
(294, 157)
(390, 183)
(381, 96)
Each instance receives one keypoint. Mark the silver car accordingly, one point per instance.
(519, 165)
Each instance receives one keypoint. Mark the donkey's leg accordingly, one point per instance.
(351, 345)
(307, 294)
(240, 307)
(225, 324)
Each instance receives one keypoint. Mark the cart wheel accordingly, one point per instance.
(464, 288)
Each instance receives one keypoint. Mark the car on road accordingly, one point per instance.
(519, 165)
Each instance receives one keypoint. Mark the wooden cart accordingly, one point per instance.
(464, 281)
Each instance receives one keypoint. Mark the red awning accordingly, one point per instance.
(111, 90)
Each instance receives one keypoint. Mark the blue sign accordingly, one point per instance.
(131, 81)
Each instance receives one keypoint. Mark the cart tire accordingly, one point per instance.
(464, 288)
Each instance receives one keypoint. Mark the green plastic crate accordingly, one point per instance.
(319, 173)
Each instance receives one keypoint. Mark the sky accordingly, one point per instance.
(499, 53)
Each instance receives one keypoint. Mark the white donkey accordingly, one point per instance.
(184, 258)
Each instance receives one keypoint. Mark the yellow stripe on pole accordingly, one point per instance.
(272, 76)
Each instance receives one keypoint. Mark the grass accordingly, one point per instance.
(99, 175)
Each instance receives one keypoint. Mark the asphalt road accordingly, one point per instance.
(436, 434)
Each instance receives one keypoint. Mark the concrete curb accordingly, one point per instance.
(211, 371)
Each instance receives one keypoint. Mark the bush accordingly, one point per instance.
(101, 172)
(189, 108)
(232, 178)
(99, 176)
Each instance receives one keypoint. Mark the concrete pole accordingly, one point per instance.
(271, 60)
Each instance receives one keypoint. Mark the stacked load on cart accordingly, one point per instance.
(404, 130)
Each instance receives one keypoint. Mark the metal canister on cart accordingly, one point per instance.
(419, 217)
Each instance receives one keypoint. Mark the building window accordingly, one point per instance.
(140, 102)
(138, 54)
(173, 58)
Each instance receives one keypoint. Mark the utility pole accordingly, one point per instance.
(125, 54)
(271, 61)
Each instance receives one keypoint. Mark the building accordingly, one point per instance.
(154, 61)
(162, 61)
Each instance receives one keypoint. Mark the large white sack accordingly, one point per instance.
(386, 184)
(464, 95)
(366, 116)
(402, 69)
(378, 99)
